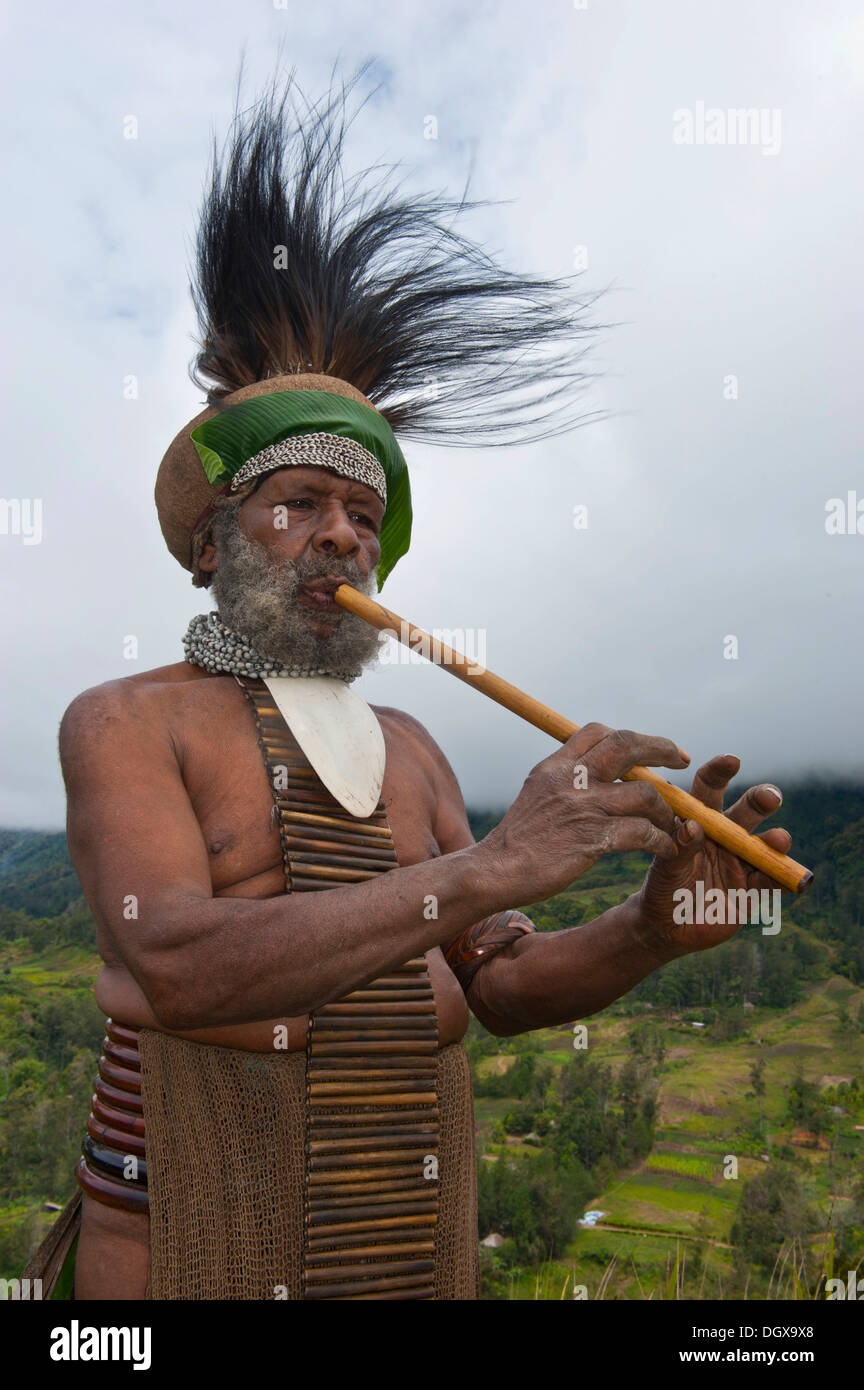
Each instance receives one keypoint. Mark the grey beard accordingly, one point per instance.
(258, 600)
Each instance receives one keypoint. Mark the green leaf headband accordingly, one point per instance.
(228, 440)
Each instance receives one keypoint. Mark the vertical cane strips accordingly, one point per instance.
(372, 1107)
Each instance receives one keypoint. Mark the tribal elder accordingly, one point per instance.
(294, 918)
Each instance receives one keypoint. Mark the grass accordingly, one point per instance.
(488, 1109)
(655, 1202)
(684, 1164)
(624, 1267)
(677, 1206)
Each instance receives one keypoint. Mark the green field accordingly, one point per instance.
(675, 1209)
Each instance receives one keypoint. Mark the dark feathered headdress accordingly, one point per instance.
(300, 270)
(373, 286)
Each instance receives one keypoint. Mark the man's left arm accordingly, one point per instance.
(516, 979)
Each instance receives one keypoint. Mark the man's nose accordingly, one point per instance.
(334, 533)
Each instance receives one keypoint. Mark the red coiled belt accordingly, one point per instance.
(113, 1168)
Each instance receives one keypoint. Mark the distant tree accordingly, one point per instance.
(757, 1081)
(805, 1107)
(781, 978)
(628, 1084)
(520, 1120)
(771, 1210)
(646, 1040)
(528, 1077)
(532, 1202)
(729, 1023)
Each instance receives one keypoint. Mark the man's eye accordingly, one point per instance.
(308, 502)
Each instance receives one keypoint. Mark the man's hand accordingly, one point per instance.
(555, 829)
(572, 810)
(702, 859)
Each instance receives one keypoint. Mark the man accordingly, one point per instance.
(283, 1107)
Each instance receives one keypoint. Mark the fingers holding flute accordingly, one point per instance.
(616, 751)
(749, 811)
(572, 810)
(703, 867)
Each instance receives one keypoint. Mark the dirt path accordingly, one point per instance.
(655, 1231)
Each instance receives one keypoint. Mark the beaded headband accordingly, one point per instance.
(345, 456)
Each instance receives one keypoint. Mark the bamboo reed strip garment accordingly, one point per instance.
(347, 1172)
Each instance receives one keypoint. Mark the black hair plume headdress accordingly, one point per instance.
(374, 287)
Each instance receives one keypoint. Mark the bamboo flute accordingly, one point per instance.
(785, 871)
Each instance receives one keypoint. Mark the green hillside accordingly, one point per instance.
(35, 873)
(784, 1096)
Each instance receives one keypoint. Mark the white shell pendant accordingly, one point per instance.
(339, 734)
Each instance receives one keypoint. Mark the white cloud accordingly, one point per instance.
(706, 515)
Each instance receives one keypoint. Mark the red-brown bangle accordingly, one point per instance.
(480, 942)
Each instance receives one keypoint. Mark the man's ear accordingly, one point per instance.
(208, 560)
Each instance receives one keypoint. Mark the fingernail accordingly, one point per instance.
(682, 754)
(769, 787)
(684, 835)
(692, 828)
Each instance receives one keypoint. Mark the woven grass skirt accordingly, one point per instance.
(226, 1156)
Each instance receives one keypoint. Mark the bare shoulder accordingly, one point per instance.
(452, 830)
(412, 732)
(98, 707)
(116, 707)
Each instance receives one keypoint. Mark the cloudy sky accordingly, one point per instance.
(730, 373)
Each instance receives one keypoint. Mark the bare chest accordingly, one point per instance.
(227, 782)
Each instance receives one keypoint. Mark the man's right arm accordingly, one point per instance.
(203, 961)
